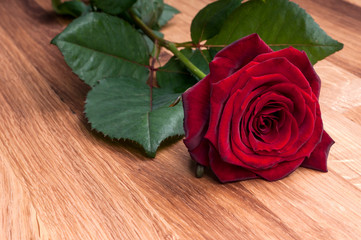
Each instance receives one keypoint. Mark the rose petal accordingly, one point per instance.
(200, 153)
(296, 96)
(237, 55)
(226, 172)
(306, 129)
(318, 158)
(276, 66)
(219, 95)
(280, 171)
(196, 112)
(307, 148)
(301, 61)
(223, 131)
(253, 84)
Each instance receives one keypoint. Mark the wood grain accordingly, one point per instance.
(59, 180)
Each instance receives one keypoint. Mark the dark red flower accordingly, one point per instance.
(256, 115)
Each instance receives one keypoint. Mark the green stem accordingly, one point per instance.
(196, 71)
(149, 32)
(193, 45)
(186, 44)
(168, 45)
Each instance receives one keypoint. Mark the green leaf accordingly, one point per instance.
(167, 14)
(209, 20)
(149, 11)
(280, 24)
(113, 7)
(125, 108)
(98, 46)
(73, 8)
(175, 76)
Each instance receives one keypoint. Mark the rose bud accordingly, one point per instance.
(256, 115)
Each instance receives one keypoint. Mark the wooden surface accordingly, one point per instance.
(58, 180)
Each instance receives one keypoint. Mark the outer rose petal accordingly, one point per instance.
(226, 172)
(308, 147)
(275, 66)
(237, 55)
(318, 158)
(280, 171)
(200, 153)
(196, 111)
(301, 61)
(196, 115)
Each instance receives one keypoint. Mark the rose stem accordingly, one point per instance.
(194, 45)
(199, 171)
(168, 45)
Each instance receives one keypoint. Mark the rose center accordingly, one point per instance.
(264, 123)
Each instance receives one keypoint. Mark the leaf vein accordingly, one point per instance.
(108, 54)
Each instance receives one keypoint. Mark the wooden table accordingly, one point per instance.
(59, 180)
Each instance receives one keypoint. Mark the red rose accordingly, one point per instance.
(256, 115)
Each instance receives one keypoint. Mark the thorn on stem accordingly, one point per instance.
(175, 101)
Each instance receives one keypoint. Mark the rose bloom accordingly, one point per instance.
(256, 115)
